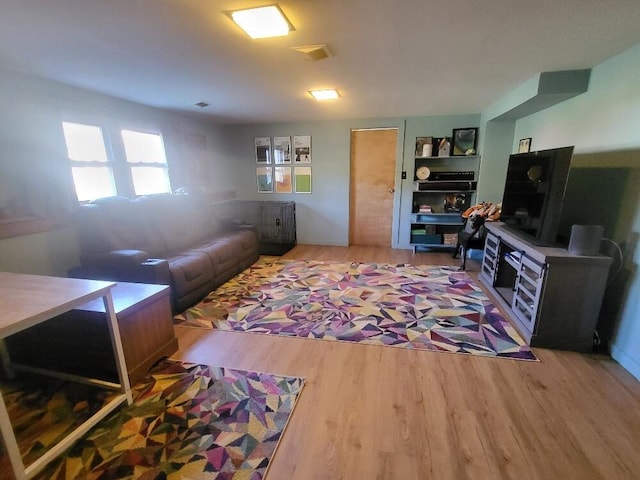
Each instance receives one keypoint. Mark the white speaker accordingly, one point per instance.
(585, 239)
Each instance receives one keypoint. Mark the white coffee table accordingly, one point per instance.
(25, 301)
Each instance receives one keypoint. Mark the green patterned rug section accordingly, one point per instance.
(421, 307)
(187, 421)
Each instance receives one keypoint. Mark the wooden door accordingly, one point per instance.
(371, 189)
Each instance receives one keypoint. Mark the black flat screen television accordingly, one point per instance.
(534, 191)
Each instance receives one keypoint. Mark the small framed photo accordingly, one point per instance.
(284, 182)
(282, 150)
(463, 140)
(264, 178)
(302, 148)
(263, 150)
(302, 176)
(525, 145)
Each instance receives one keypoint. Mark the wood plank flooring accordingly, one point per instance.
(370, 412)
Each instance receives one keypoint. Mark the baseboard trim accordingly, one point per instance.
(629, 364)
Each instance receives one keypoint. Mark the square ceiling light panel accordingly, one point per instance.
(262, 22)
(321, 95)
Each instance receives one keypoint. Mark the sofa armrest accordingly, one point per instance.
(120, 258)
(123, 266)
(234, 225)
(154, 270)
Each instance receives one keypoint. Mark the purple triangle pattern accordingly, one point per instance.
(423, 307)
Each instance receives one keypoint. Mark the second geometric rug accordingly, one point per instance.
(187, 421)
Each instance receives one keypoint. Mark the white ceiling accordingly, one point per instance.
(391, 58)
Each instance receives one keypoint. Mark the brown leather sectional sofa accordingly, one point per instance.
(171, 239)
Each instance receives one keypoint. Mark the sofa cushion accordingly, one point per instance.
(245, 240)
(222, 253)
(190, 271)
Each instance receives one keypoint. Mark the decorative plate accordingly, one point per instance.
(422, 173)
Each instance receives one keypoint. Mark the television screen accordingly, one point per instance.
(534, 191)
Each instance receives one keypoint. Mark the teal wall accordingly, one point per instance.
(50, 253)
(495, 148)
(323, 215)
(604, 126)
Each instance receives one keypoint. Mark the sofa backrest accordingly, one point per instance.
(110, 223)
(158, 224)
(178, 221)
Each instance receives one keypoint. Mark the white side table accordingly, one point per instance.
(27, 300)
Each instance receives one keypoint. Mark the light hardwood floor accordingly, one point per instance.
(369, 412)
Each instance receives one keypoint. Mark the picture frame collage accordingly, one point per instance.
(283, 166)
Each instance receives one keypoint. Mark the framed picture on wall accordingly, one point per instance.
(302, 176)
(263, 149)
(525, 145)
(282, 150)
(463, 141)
(302, 148)
(283, 180)
(264, 178)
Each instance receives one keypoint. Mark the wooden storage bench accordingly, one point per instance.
(78, 341)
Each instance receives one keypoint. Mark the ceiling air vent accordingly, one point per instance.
(314, 52)
(202, 104)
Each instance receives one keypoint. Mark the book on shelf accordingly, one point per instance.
(424, 209)
(423, 230)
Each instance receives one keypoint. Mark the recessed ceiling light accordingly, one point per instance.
(262, 22)
(321, 95)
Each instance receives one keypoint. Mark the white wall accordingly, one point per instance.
(604, 124)
(34, 175)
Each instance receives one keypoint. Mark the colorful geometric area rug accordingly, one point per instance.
(187, 421)
(420, 307)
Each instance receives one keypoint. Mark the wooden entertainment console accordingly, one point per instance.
(552, 297)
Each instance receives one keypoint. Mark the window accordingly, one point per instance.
(90, 167)
(147, 161)
(99, 170)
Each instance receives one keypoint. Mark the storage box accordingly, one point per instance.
(450, 238)
(432, 238)
(423, 230)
